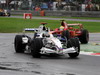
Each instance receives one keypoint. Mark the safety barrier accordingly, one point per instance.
(60, 13)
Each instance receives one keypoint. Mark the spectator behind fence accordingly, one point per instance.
(44, 5)
(37, 8)
(50, 5)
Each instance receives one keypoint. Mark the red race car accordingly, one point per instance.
(72, 30)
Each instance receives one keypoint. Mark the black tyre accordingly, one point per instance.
(8, 14)
(19, 47)
(66, 34)
(84, 37)
(74, 42)
(36, 45)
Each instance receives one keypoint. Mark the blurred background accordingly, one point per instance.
(54, 5)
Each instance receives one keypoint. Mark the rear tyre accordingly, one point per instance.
(84, 37)
(74, 42)
(36, 45)
(66, 34)
(19, 46)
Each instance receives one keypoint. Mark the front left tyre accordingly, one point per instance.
(36, 45)
(84, 37)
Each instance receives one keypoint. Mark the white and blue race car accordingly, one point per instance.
(44, 42)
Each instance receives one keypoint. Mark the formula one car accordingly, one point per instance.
(43, 42)
(4, 13)
(73, 30)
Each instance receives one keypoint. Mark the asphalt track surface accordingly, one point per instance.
(12, 63)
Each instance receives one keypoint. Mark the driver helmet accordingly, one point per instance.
(61, 27)
(46, 35)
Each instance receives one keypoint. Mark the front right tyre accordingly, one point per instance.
(74, 42)
(19, 46)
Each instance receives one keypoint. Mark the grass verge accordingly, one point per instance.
(11, 25)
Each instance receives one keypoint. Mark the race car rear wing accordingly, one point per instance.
(75, 24)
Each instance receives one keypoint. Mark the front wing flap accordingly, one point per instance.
(45, 50)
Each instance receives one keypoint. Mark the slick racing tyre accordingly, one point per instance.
(74, 42)
(19, 46)
(36, 45)
(66, 34)
(84, 37)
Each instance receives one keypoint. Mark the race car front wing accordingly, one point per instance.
(45, 50)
